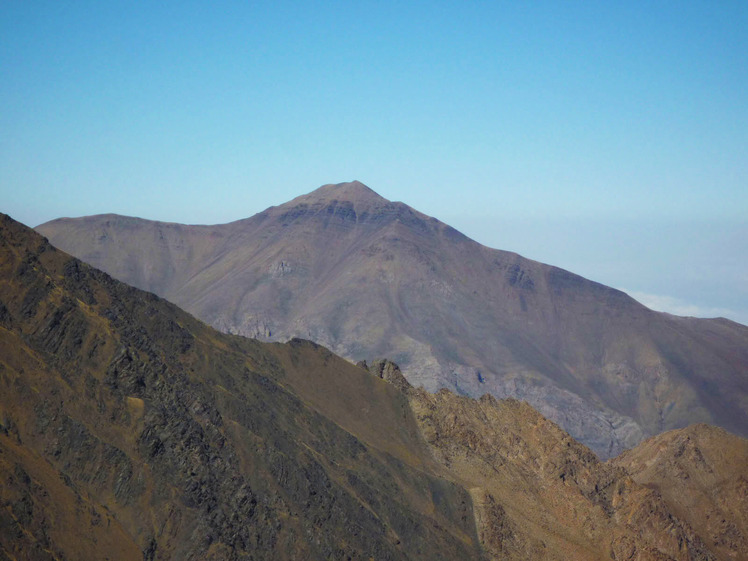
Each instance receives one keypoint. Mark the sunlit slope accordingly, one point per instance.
(194, 441)
(702, 471)
(368, 277)
(192, 444)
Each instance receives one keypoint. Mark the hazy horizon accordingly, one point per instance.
(607, 140)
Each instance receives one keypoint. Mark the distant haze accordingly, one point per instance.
(684, 267)
(607, 139)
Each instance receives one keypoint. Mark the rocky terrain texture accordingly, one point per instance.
(132, 430)
(368, 277)
(167, 439)
(702, 473)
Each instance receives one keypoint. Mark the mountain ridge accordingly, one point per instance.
(368, 277)
(193, 444)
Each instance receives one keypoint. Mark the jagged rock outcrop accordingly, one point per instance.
(524, 472)
(369, 277)
(131, 429)
(702, 472)
(388, 371)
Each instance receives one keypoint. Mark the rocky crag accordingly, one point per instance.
(702, 473)
(368, 277)
(131, 430)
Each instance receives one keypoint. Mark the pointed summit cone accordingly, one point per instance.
(353, 192)
(347, 204)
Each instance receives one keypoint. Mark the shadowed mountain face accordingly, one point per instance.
(130, 430)
(368, 277)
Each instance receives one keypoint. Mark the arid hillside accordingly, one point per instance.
(702, 472)
(131, 429)
(367, 278)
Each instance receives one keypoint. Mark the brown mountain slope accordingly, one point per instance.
(118, 409)
(43, 516)
(368, 277)
(702, 472)
(190, 439)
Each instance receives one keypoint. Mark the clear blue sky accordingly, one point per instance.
(609, 138)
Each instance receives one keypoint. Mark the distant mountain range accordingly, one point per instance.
(131, 430)
(371, 278)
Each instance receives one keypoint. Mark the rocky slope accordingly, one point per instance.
(132, 430)
(137, 416)
(368, 277)
(702, 472)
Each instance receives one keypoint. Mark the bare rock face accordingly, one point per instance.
(44, 516)
(367, 277)
(533, 487)
(387, 371)
(702, 471)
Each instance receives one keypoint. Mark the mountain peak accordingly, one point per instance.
(354, 192)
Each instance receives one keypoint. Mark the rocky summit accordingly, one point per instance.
(131, 430)
(367, 277)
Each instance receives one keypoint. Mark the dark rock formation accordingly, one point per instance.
(388, 371)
